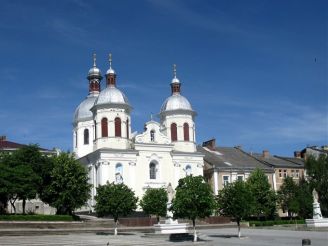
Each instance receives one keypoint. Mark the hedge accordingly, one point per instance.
(37, 217)
(275, 222)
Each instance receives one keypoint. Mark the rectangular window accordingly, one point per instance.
(225, 180)
(285, 173)
(240, 178)
(280, 173)
(297, 174)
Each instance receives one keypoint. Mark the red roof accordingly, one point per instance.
(4, 144)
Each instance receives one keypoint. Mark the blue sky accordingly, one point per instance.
(255, 71)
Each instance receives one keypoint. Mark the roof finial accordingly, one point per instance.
(175, 70)
(94, 59)
(110, 60)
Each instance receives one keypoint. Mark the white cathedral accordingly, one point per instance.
(103, 142)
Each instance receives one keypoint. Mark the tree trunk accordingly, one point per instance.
(12, 202)
(238, 224)
(115, 230)
(24, 204)
(157, 217)
(195, 233)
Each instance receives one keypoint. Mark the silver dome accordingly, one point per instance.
(110, 71)
(111, 95)
(82, 112)
(176, 102)
(94, 71)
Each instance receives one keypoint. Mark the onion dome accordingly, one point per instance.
(110, 70)
(111, 94)
(82, 112)
(94, 72)
(176, 101)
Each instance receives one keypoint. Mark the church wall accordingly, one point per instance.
(81, 149)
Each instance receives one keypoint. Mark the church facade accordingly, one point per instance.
(103, 141)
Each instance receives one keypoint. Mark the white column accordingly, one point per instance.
(274, 181)
(216, 183)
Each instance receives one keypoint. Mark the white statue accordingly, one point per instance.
(316, 206)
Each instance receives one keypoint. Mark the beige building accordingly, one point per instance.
(282, 166)
(224, 165)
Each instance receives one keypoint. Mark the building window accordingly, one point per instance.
(285, 173)
(174, 135)
(86, 136)
(188, 170)
(297, 174)
(186, 132)
(104, 127)
(152, 170)
(292, 173)
(119, 173)
(152, 136)
(118, 127)
(280, 173)
(225, 180)
(127, 129)
(240, 178)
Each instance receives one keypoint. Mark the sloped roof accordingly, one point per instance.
(279, 161)
(230, 158)
(9, 145)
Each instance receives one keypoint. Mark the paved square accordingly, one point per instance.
(220, 236)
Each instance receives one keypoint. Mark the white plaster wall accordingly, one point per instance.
(80, 149)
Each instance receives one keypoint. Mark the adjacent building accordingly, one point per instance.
(223, 165)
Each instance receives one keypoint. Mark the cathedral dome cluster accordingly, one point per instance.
(111, 152)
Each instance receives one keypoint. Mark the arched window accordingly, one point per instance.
(119, 173)
(127, 128)
(118, 127)
(86, 136)
(104, 127)
(188, 170)
(186, 132)
(174, 136)
(152, 135)
(152, 170)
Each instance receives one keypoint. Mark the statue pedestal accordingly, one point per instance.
(171, 227)
(318, 220)
(323, 222)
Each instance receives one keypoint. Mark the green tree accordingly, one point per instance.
(305, 199)
(116, 200)
(68, 188)
(287, 196)
(154, 202)
(193, 199)
(19, 180)
(265, 197)
(4, 183)
(236, 200)
(317, 171)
